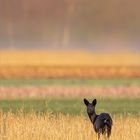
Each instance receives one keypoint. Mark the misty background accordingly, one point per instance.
(98, 25)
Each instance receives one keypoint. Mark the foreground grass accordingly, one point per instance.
(29, 126)
(74, 82)
(123, 106)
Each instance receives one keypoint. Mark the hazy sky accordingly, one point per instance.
(70, 24)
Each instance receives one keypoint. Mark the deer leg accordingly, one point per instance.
(98, 136)
(108, 132)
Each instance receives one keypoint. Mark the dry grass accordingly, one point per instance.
(62, 127)
(66, 58)
(54, 64)
(68, 72)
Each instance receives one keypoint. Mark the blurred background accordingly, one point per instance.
(70, 24)
(98, 26)
(69, 33)
(69, 40)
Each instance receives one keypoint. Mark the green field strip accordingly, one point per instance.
(71, 82)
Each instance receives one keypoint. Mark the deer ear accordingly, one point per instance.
(86, 102)
(94, 102)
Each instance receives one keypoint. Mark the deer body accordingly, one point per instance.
(102, 123)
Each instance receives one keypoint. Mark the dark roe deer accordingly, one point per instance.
(102, 123)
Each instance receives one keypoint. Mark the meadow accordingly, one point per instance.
(22, 126)
(35, 108)
(70, 81)
(68, 106)
(64, 64)
(65, 118)
(49, 95)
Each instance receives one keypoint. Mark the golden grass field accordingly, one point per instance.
(53, 64)
(66, 58)
(62, 127)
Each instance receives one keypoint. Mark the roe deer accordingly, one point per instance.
(102, 123)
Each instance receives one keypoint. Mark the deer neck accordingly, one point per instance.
(92, 117)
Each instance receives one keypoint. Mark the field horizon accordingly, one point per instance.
(64, 64)
(36, 57)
